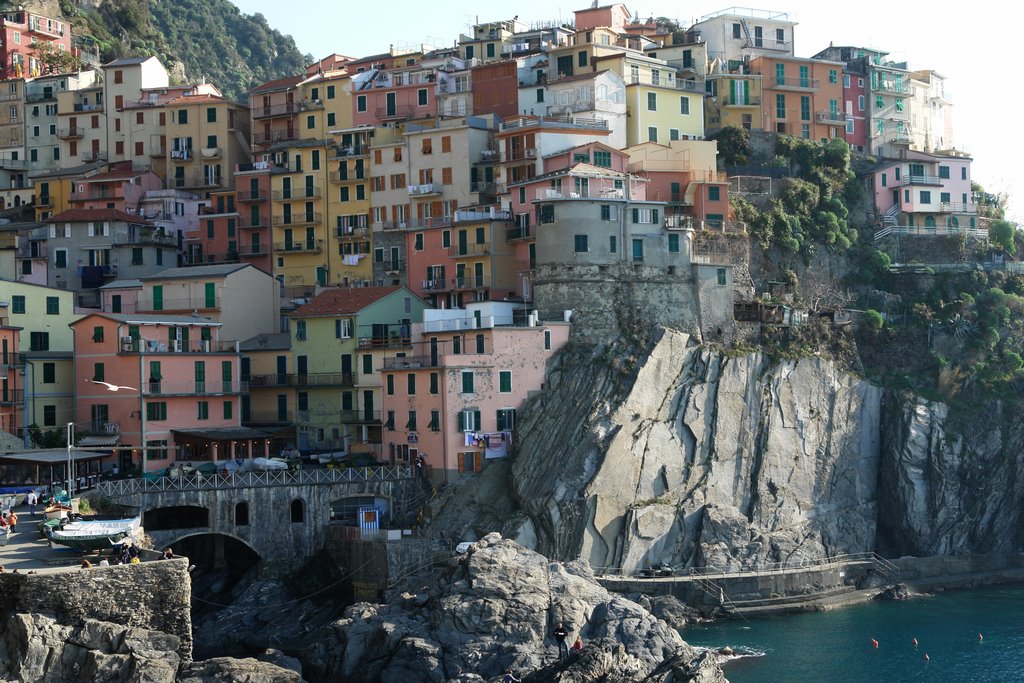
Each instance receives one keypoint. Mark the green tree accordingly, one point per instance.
(1003, 234)
(733, 145)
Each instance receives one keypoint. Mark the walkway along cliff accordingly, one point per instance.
(694, 458)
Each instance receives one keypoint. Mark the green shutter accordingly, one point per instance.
(462, 422)
(211, 295)
(158, 297)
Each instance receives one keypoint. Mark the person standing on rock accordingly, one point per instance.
(510, 677)
(561, 633)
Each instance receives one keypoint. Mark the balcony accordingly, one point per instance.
(802, 84)
(360, 416)
(311, 105)
(180, 304)
(426, 190)
(182, 154)
(195, 180)
(252, 224)
(207, 259)
(352, 232)
(13, 164)
(349, 152)
(753, 101)
(253, 250)
(958, 207)
(97, 194)
(391, 265)
(87, 106)
(346, 177)
(522, 232)
(469, 250)
(157, 151)
(145, 237)
(484, 188)
(11, 397)
(32, 250)
(10, 361)
(285, 109)
(133, 345)
(921, 180)
(307, 247)
(472, 282)
(899, 138)
(297, 193)
(555, 122)
(493, 214)
(210, 152)
(70, 133)
(437, 285)
(297, 219)
(831, 118)
(402, 111)
(309, 379)
(547, 193)
(521, 153)
(392, 342)
(163, 387)
(267, 417)
(251, 196)
(274, 136)
(890, 88)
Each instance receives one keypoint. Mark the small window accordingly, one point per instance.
(52, 305)
(944, 172)
(652, 133)
(505, 382)
(17, 303)
(722, 277)
(673, 243)
(580, 244)
(547, 340)
(613, 244)
(468, 383)
(652, 101)
(714, 193)
(684, 105)
(97, 333)
(50, 372)
(411, 383)
(298, 511)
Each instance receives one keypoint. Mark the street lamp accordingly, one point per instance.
(71, 427)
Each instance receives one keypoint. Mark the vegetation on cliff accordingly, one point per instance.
(212, 39)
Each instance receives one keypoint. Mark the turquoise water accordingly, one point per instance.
(836, 646)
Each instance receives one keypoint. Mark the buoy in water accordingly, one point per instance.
(926, 657)
(980, 638)
(874, 643)
(914, 642)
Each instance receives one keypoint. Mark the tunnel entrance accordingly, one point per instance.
(176, 517)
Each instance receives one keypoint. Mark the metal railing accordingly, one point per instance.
(883, 565)
(308, 247)
(241, 480)
(790, 82)
(294, 379)
(275, 110)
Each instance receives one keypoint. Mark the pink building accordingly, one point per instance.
(20, 29)
(182, 400)
(454, 400)
(386, 97)
(925, 193)
(119, 188)
(11, 389)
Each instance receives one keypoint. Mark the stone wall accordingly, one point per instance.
(152, 595)
(374, 565)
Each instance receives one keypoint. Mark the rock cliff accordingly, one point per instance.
(692, 457)
(495, 608)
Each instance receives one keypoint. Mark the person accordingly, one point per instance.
(168, 554)
(86, 564)
(577, 647)
(561, 633)
(12, 521)
(510, 677)
(419, 466)
(32, 499)
(104, 562)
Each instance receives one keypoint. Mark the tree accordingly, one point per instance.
(54, 61)
(1003, 234)
(733, 145)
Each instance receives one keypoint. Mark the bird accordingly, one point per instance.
(109, 386)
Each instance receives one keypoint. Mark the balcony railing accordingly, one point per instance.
(32, 250)
(269, 138)
(192, 388)
(547, 193)
(349, 152)
(835, 117)
(425, 189)
(97, 194)
(752, 101)
(305, 247)
(412, 362)
(297, 193)
(267, 417)
(352, 232)
(252, 196)
(437, 285)
(157, 151)
(394, 342)
(797, 83)
(146, 238)
(359, 416)
(903, 90)
(466, 215)
(401, 111)
(391, 265)
(555, 122)
(921, 180)
(353, 176)
(133, 345)
(472, 282)
(70, 133)
(197, 179)
(250, 250)
(469, 250)
(248, 224)
(297, 219)
(958, 207)
(12, 397)
(309, 379)
(521, 232)
(275, 110)
(180, 304)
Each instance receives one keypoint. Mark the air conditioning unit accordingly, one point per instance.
(531, 153)
(126, 344)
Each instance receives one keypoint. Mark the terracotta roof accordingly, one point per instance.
(278, 84)
(108, 176)
(342, 301)
(202, 97)
(81, 215)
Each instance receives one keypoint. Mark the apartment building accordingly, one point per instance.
(42, 146)
(924, 193)
(684, 174)
(208, 138)
(270, 402)
(453, 399)
(802, 97)
(14, 187)
(931, 112)
(82, 126)
(600, 95)
(739, 34)
(252, 197)
(272, 106)
(20, 30)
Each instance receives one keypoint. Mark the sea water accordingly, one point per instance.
(831, 646)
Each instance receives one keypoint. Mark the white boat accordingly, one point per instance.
(5, 535)
(96, 535)
(264, 464)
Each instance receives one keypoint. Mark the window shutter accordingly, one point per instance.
(461, 459)
(636, 215)
(337, 329)
(476, 461)
(654, 216)
(462, 421)
(476, 420)
(501, 420)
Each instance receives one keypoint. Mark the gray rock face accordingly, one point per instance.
(37, 649)
(495, 608)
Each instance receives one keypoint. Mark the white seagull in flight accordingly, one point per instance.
(111, 387)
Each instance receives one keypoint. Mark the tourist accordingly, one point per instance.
(104, 562)
(577, 647)
(168, 554)
(561, 633)
(12, 521)
(86, 564)
(32, 500)
(510, 677)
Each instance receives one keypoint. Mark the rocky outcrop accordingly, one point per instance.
(495, 608)
(35, 648)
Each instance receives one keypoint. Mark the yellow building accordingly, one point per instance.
(53, 190)
(46, 350)
(270, 401)
(207, 136)
(299, 224)
(734, 100)
(82, 126)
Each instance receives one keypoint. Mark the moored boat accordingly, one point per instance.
(5, 535)
(95, 535)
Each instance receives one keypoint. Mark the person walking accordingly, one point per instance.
(561, 633)
(12, 521)
(32, 499)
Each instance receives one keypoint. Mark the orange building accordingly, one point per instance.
(10, 389)
(802, 97)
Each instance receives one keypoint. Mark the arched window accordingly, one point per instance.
(954, 222)
(242, 514)
(298, 511)
(929, 221)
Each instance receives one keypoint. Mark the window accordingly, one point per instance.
(97, 333)
(673, 133)
(846, 80)
(389, 423)
(203, 410)
(963, 173)
(736, 31)
(39, 341)
(310, 122)
(879, 102)
(926, 197)
(505, 382)
(330, 92)
(780, 106)
(609, 212)
(649, 216)
(49, 416)
(652, 101)
(52, 305)
(722, 277)
(944, 197)
(50, 373)
(860, 103)
(136, 256)
(714, 193)
(602, 158)
(944, 172)
(540, 94)
(885, 179)
(581, 58)
(331, 120)
(343, 328)
(805, 108)
(18, 303)
(435, 421)
(849, 126)
(547, 340)
(580, 244)
(410, 382)
(652, 133)
(433, 383)
(638, 250)
(780, 36)
(613, 245)
(833, 76)
(468, 385)
(684, 105)
(418, 242)
(182, 117)
(157, 410)
(469, 420)
(228, 410)
(421, 97)
(211, 114)
(298, 511)
(361, 103)
(390, 382)
(673, 243)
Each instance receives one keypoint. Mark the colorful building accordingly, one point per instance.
(802, 97)
(685, 175)
(454, 397)
(208, 138)
(20, 29)
(270, 401)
